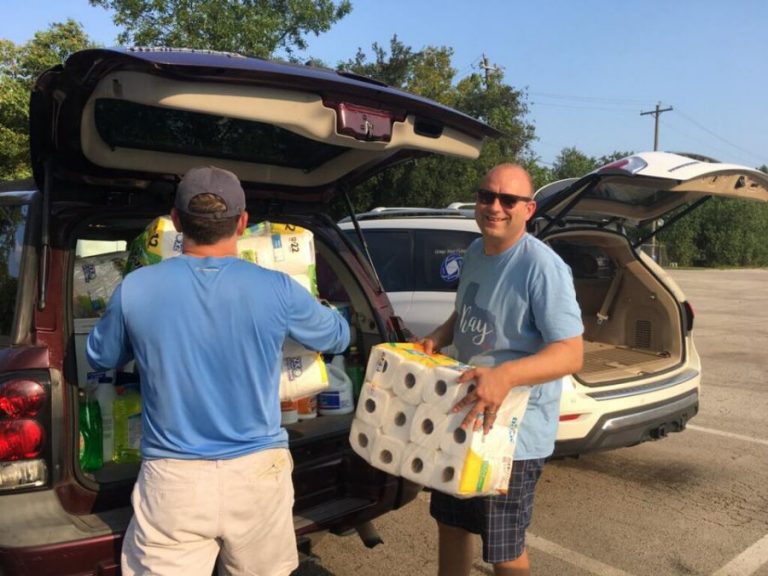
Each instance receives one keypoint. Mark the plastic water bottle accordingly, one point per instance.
(338, 397)
(91, 457)
(106, 395)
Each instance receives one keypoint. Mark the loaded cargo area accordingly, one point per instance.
(99, 262)
(632, 324)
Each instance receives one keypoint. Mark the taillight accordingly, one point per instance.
(631, 165)
(21, 439)
(24, 420)
(568, 417)
(21, 398)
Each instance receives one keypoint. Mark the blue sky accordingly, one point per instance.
(589, 67)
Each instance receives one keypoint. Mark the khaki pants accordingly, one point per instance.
(186, 512)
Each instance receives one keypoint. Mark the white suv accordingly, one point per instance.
(417, 254)
(641, 374)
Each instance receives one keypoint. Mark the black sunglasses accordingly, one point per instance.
(506, 200)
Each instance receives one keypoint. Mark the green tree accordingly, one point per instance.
(436, 180)
(571, 163)
(19, 66)
(250, 27)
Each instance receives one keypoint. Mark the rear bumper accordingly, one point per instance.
(635, 425)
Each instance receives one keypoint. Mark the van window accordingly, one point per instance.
(391, 254)
(439, 257)
(12, 227)
(417, 260)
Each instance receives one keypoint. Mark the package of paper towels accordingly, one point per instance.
(302, 372)
(404, 424)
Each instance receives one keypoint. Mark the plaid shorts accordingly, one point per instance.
(500, 520)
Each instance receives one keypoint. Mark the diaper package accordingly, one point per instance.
(404, 424)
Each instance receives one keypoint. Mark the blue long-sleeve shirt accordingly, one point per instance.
(207, 335)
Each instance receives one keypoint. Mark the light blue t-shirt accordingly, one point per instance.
(512, 305)
(207, 336)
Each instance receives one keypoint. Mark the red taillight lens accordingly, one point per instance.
(20, 439)
(567, 417)
(631, 165)
(21, 398)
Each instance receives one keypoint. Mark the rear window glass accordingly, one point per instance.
(131, 125)
(12, 228)
(417, 260)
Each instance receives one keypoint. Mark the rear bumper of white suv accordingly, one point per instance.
(634, 425)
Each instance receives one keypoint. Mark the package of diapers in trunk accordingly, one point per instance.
(404, 424)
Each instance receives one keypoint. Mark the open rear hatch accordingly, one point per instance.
(137, 119)
(634, 324)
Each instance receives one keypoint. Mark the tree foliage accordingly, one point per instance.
(722, 232)
(19, 66)
(250, 27)
(438, 181)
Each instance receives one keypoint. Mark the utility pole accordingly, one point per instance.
(487, 68)
(656, 113)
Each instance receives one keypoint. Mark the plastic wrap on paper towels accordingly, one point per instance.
(397, 420)
(387, 453)
(373, 405)
(383, 363)
(404, 383)
(361, 438)
(441, 390)
(409, 381)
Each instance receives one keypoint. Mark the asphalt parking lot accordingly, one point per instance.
(695, 503)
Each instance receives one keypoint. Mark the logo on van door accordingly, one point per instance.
(450, 267)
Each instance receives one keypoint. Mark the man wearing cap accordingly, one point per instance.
(206, 330)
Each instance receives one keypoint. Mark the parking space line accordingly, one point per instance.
(574, 558)
(748, 562)
(727, 434)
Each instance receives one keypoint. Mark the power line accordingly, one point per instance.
(708, 131)
(600, 99)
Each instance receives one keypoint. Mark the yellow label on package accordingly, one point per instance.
(414, 352)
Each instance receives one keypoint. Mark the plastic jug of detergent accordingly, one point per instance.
(338, 397)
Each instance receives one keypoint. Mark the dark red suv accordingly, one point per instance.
(111, 132)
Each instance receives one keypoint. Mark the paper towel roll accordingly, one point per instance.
(428, 426)
(409, 381)
(362, 437)
(455, 440)
(398, 419)
(373, 404)
(442, 391)
(418, 464)
(446, 473)
(387, 453)
(382, 365)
